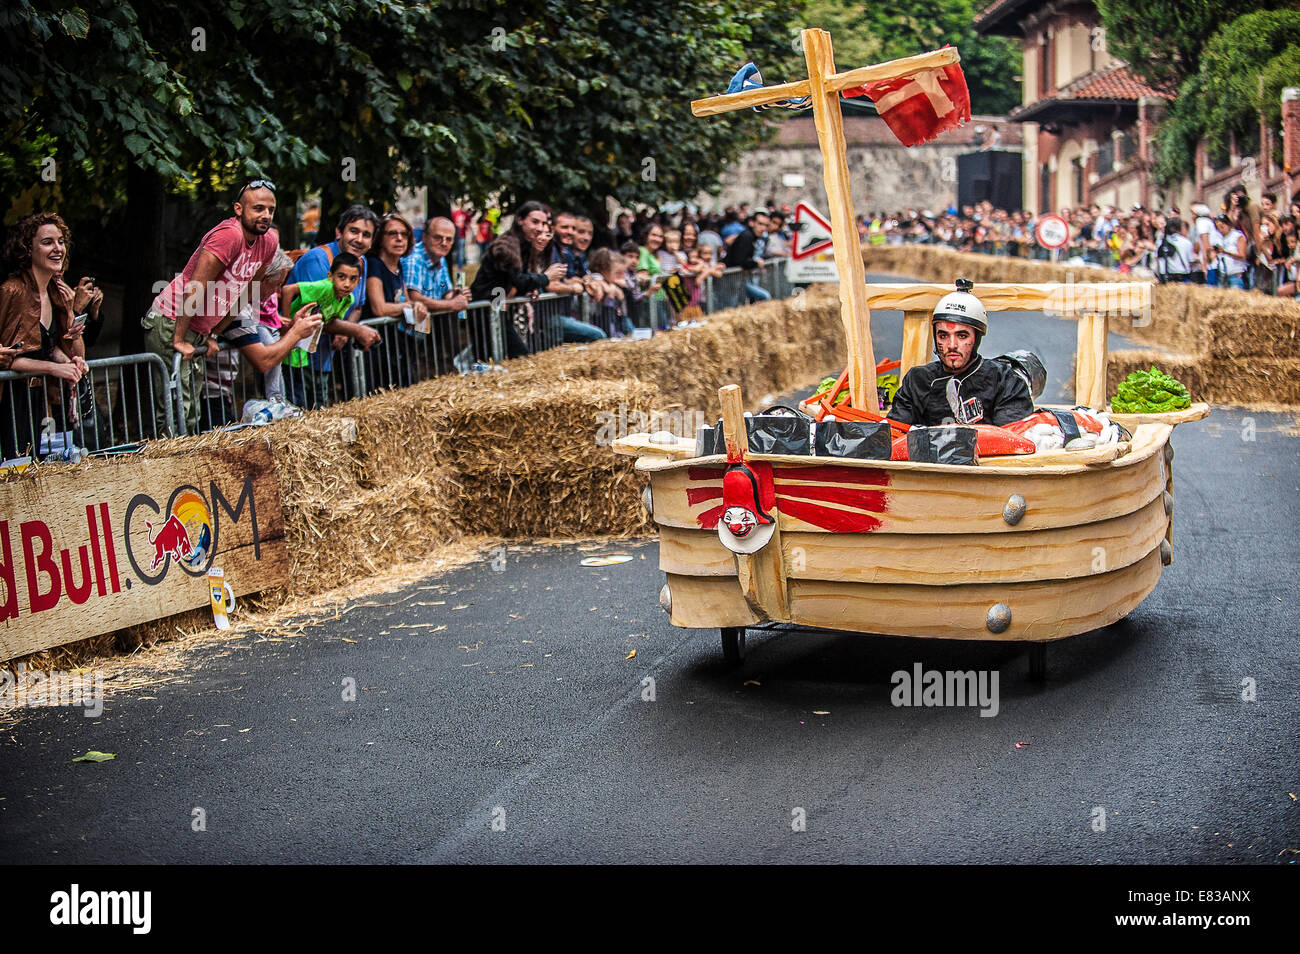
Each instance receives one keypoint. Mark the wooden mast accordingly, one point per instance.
(854, 312)
(823, 87)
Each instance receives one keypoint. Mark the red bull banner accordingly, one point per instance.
(126, 541)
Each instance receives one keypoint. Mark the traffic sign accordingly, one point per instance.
(812, 233)
(1052, 231)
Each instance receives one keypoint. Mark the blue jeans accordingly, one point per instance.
(757, 292)
(1234, 281)
(572, 330)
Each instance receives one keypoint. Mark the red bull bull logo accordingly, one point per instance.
(186, 536)
(171, 540)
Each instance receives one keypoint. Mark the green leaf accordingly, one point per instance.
(93, 756)
(136, 143)
(75, 23)
(404, 80)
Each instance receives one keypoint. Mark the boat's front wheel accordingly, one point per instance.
(1038, 662)
(733, 645)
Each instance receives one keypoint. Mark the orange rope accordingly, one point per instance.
(845, 411)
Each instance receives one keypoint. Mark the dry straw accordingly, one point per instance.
(1226, 345)
(386, 480)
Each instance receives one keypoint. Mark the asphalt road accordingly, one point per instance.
(521, 732)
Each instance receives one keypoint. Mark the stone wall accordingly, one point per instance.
(885, 175)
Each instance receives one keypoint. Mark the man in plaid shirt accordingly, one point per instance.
(428, 281)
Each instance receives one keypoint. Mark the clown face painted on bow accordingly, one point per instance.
(739, 521)
(748, 496)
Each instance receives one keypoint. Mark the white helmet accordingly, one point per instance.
(962, 307)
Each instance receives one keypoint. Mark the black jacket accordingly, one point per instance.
(987, 393)
(740, 253)
(503, 267)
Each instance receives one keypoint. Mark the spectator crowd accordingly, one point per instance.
(1245, 243)
(290, 313)
(547, 277)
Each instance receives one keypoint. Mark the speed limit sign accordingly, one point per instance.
(1052, 231)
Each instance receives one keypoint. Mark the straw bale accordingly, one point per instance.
(1269, 329)
(1226, 345)
(372, 483)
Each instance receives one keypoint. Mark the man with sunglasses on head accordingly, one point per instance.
(213, 285)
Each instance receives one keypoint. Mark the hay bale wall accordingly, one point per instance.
(380, 481)
(1228, 346)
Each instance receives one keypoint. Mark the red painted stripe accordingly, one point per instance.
(849, 496)
(836, 521)
(709, 519)
(704, 473)
(696, 495)
(108, 547)
(94, 548)
(871, 476)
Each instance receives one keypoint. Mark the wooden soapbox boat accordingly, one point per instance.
(1031, 549)
(1023, 548)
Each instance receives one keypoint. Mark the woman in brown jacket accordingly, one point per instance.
(37, 329)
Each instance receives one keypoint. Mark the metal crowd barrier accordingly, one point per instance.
(482, 335)
(109, 408)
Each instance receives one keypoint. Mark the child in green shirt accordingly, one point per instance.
(308, 385)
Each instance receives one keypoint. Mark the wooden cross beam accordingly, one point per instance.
(728, 102)
(823, 87)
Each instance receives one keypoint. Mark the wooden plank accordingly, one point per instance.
(918, 341)
(900, 497)
(1066, 300)
(1039, 611)
(1196, 412)
(637, 445)
(935, 559)
(854, 311)
(75, 552)
(734, 431)
(729, 102)
(904, 66)
(700, 602)
(1102, 454)
(1090, 362)
(762, 578)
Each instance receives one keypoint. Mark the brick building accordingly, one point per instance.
(1088, 119)
(1089, 122)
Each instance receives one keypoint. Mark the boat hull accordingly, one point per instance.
(923, 550)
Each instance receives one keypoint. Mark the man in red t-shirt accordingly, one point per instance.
(213, 285)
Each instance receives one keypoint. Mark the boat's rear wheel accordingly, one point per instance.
(1038, 662)
(733, 645)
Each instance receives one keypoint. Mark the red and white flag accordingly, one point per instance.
(921, 105)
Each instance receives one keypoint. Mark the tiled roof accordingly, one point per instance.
(994, 15)
(1117, 82)
(1113, 85)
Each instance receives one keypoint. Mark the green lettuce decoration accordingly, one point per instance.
(1150, 392)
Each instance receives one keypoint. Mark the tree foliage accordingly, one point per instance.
(533, 97)
(1243, 69)
(869, 33)
(1162, 40)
